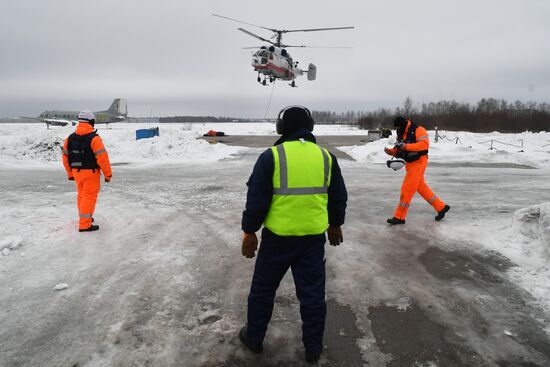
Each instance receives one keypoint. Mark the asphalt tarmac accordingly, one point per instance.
(265, 141)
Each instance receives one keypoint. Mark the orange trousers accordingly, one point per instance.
(87, 184)
(414, 182)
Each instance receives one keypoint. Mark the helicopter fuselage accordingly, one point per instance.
(274, 62)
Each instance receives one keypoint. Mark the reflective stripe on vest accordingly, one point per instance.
(300, 184)
(285, 190)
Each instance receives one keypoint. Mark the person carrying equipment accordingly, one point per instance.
(84, 156)
(297, 192)
(412, 146)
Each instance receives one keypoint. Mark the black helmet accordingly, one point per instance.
(400, 121)
(294, 118)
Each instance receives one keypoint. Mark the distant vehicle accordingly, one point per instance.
(116, 113)
(274, 62)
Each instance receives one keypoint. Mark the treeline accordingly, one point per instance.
(331, 117)
(489, 114)
(200, 119)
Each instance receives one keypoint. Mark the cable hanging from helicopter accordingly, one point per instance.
(274, 62)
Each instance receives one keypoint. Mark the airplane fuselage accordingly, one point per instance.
(72, 116)
(117, 112)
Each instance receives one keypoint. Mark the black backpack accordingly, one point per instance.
(411, 139)
(81, 155)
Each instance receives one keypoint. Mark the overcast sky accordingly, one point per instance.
(173, 57)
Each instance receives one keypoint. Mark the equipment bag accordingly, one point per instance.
(81, 155)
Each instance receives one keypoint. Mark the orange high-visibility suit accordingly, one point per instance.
(88, 180)
(414, 179)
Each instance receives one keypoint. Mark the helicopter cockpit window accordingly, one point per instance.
(262, 53)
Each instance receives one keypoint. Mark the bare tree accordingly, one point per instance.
(408, 107)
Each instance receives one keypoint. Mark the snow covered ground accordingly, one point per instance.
(163, 282)
(33, 143)
(531, 149)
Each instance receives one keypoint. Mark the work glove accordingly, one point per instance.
(401, 146)
(107, 179)
(250, 245)
(389, 151)
(335, 237)
(71, 178)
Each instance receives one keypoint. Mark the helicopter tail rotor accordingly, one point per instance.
(311, 72)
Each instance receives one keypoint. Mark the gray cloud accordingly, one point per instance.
(174, 57)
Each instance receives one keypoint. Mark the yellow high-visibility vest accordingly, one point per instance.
(300, 189)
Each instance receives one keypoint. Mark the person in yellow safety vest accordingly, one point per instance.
(297, 192)
(412, 145)
(84, 156)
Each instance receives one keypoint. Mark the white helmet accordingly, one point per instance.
(86, 115)
(395, 164)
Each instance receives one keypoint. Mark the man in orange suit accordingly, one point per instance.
(412, 146)
(84, 156)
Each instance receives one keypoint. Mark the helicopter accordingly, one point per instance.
(274, 62)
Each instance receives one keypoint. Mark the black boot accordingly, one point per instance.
(312, 358)
(393, 221)
(243, 337)
(91, 228)
(440, 215)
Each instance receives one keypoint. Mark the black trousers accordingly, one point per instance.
(305, 256)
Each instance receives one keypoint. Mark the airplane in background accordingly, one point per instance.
(116, 113)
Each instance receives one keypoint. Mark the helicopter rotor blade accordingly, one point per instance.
(303, 46)
(251, 48)
(316, 29)
(240, 21)
(254, 35)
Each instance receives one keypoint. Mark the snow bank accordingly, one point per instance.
(525, 241)
(529, 247)
(531, 149)
(532, 228)
(176, 143)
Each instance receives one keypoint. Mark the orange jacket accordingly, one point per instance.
(98, 148)
(422, 141)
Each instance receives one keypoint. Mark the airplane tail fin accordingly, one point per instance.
(118, 107)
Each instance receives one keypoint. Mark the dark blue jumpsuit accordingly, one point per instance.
(303, 254)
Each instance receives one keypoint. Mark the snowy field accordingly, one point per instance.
(163, 282)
